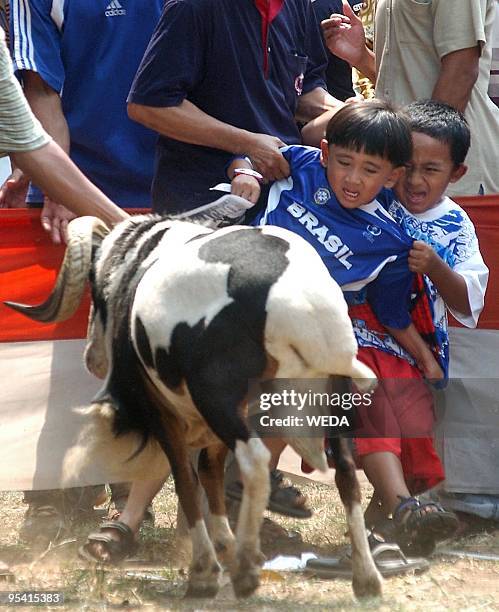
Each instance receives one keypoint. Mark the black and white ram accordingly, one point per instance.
(183, 317)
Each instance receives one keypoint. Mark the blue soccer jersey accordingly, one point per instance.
(364, 249)
(89, 51)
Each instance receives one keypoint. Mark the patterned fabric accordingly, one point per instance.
(450, 232)
(369, 332)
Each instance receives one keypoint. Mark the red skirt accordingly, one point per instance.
(400, 417)
(402, 410)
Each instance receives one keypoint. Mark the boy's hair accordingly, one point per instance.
(373, 126)
(442, 122)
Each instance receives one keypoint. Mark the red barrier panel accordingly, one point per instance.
(28, 267)
(484, 212)
(29, 263)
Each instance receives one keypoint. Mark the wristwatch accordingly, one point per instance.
(249, 172)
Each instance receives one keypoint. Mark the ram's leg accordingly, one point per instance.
(204, 571)
(367, 580)
(211, 473)
(253, 458)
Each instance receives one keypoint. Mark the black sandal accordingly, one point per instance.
(117, 550)
(418, 529)
(388, 558)
(282, 500)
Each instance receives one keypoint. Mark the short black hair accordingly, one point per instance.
(373, 126)
(442, 122)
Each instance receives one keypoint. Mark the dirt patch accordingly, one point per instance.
(155, 579)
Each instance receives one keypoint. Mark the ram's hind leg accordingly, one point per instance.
(211, 474)
(367, 580)
(204, 571)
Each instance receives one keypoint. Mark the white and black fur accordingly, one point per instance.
(183, 317)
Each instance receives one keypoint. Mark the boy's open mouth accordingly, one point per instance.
(416, 197)
(351, 195)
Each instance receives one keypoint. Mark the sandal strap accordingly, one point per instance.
(386, 547)
(406, 503)
(118, 526)
(276, 479)
(414, 505)
(46, 510)
(276, 476)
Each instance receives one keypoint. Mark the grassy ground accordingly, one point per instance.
(155, 579)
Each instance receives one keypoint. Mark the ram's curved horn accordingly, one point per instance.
(83, 234)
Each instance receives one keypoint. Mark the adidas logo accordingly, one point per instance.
(114, 9)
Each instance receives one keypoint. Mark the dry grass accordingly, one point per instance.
(154, 580)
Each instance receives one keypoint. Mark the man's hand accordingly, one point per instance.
(13, 191)
(55, 219)
(266, 158)
(422, 258)
(246, 187)
(344, 36)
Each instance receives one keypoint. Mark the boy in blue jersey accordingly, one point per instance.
(330, 200)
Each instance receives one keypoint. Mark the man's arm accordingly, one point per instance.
(47, 108)
(315, 103)
(46, 105)
(315, 130)
(52, 170)
(344, 36)
(187, 123)
(458, 74)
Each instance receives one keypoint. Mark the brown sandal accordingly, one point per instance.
(117, 550)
